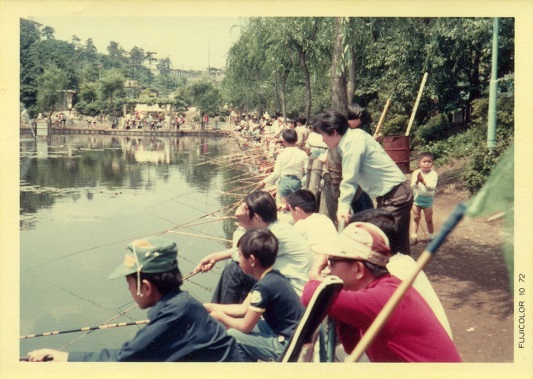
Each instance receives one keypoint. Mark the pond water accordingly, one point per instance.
(84, 197)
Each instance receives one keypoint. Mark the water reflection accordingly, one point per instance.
(83, 197)
(75, 165)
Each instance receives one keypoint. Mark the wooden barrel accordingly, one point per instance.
(398, 149)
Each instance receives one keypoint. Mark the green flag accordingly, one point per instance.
(497, 195)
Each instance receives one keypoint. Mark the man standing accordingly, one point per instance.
(366, 164)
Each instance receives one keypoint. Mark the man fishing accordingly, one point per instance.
(180, 328)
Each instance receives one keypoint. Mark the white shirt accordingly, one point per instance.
(294, 257)
(315, 142)
(317, 228)
(430, 178)
(402, 266)
(291, 161)
(367, 164)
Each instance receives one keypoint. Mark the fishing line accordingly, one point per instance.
(105, 322)
(104, 325)
(69, 292)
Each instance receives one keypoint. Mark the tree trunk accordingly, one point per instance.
(314, 176)
(276, 85)
(339, 102)
(352, 84)
(339, 98)
(307, 78)
(282, 93)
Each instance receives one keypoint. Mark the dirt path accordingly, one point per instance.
(469, 275)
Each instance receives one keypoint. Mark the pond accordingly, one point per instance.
(83, 198)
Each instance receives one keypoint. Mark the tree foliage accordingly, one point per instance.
(51, 84)
(86, 69)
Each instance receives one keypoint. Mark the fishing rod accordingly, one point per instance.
(102, 326)
(200, 235)
(85, 329)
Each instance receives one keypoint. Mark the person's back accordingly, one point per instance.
(180, 330)
(402, 266)
(294, 257)
(281, 306)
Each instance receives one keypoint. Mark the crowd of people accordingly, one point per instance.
(132, 120)
(275, 265)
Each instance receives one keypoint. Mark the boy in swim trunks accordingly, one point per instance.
(424, 182)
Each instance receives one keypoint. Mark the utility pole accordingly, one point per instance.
(493, 91)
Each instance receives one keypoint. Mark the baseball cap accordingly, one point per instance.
(359, 240)
(150, 255)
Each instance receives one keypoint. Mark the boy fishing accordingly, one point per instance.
(267, 319)
(180, 329)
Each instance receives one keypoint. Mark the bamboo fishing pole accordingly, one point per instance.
(102, 326)
(383, 114)
(215, 219)
(416, 103)
(86, 329)
(201, 236)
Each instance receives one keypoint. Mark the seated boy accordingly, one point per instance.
(314, 227)
(271, 297)
(180, 329)
(258, 210)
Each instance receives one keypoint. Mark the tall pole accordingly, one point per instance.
(493, 91)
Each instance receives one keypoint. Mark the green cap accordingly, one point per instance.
(151, 255)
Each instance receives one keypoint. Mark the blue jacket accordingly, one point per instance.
(180, 329)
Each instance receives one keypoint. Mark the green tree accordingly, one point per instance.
(51, 85)
(48, 32)
(205, 96)
(111, 85)
(29, 70)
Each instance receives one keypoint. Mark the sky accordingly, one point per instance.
(190, 43)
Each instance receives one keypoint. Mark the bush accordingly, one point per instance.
(395, 126)
(472, 143)
(482, 160)
(434, 130)
(221, 118)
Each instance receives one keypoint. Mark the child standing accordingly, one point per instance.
(290, 167)
(265, 322)
(424, 182)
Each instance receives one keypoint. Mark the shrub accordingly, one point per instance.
(396, 125)
(482, 160)
(434, 130)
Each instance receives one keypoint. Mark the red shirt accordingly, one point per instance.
(412, 334)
